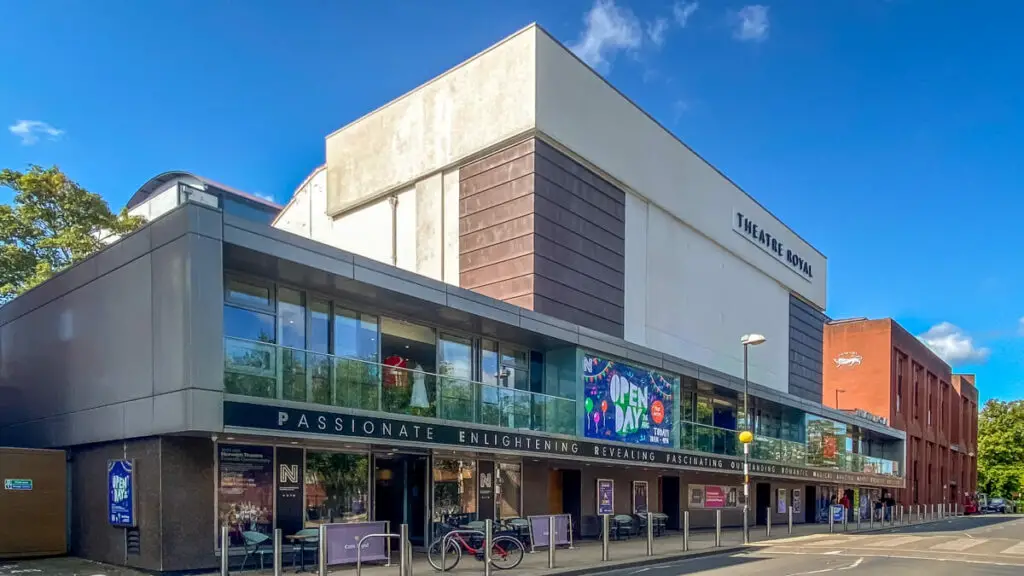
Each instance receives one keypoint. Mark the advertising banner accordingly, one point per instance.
(539, 530)
(640, 504)
(714, 497)
(342, 540)
(605, 497)
(696, 496)
(245, 490)
(626, 403)
(797, 504)
(485, 489)
(837, 513)
(780, 501)
(121, 493)
(291, 508)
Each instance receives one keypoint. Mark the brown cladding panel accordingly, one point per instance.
(33, 522)
(539, 230)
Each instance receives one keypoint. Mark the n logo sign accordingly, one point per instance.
(289, 474)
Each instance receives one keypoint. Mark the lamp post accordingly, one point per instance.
(747, 436)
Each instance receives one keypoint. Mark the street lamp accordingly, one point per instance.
(747, 436)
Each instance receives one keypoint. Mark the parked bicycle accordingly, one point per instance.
(506, 551)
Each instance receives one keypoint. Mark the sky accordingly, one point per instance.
(887, 133)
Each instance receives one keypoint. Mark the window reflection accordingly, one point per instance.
(456, 370)
(509, 490)
(336, 487)
(454, 490)
(410, 358)
(243, 323)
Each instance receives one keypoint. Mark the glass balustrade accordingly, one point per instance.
(270, 371)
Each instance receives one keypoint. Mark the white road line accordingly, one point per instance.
(1015, 549)
(829, 543)
(852, 566)
(958, 545)
(896, 542)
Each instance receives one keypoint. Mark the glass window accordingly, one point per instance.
(291, 316)
(456, 371)
(248, 293)
(357, 384)
(245, 490)
(320, 364)
(489, 362)
(249, 210)
(247, 324)
(336, 487)
(409, 363)
(355, 335)
(509, 490)
(454, 491)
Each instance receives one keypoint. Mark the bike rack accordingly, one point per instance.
(447, 538)
(402, 566)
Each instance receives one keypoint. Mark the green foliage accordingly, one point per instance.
(51, 224)
(1001, 448)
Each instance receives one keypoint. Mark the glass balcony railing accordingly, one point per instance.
(270, 371)
(705, 438)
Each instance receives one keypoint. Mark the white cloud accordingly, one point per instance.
(608, 29)
(682, 12)
(953, 345)
(31, 130)
(656, 31)
(267, 197)
(752, 23)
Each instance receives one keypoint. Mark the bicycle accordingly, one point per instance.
(506, 551)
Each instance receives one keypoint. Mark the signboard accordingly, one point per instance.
(121, 493)
(765, 240)
(714, 497)
(540, 529)
(837, 513)
(696, 496)
(245, 489)
(605, 497)
(18, 484)
(291, 507)
(780, 501)
(243, 415)
(342, 540)
(797, 501)
(625, 403)
(485, 489)
(640, 503)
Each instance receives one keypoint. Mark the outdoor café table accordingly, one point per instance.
(301, 539)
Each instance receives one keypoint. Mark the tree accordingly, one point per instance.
(51, 224)
(1001, 448)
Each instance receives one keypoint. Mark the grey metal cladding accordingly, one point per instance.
(806, 336)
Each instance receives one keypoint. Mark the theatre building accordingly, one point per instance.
(507, 293)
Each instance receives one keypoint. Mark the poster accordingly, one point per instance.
(780, 501)
(245, 489)
(797, 504)
(540, 530)
(121, 493)
(626, 403)
(696, 496)
(640, 497)
(732, 497)
(714, 497)
(291, 509)
(605, 497)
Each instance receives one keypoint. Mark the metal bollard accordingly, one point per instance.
(768, 524)
(405, 551)
(718, 528)
(746, 531)
(858, 520)
(650, 534)
(831, 521)
(871, 518)
(789, 521)
(846, 519)
(225, 549)
(322, 551)
(551, 542)
(277, 552)
(686, 531)
(488, 532)
(606, 525)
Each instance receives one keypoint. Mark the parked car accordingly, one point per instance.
(997, 506)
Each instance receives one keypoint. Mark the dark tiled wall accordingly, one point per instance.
(188, 514)
(806, 334)
(539, 230)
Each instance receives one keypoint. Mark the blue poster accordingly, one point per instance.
(626, 403)
(121, 493)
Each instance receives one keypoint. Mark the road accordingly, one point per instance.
(980, 545)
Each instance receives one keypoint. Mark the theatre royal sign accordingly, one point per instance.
(243, 415)
(765, 240)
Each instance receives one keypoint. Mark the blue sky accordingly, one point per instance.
(886, 133)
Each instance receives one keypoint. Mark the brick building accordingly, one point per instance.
(880, 368)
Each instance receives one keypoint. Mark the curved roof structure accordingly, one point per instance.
(160, 182)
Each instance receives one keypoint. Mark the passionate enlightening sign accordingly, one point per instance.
(626, 403)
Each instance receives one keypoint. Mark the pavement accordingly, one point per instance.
(985, 545)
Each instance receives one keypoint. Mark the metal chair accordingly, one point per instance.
(254, 546)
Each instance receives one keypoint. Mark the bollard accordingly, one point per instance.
(405, 551)
(871, 518)
(650, 534)
(277, 552)
(846, 519)
(789, 521)
(551, 542)
(322, 551)
(488, 532)
(831, 521)
(225, 548)
(768, 525)
(858, 520)
(746, 531)
(686, 531)
(718, 528)
(605, 528)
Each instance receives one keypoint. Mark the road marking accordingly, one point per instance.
(891, 555)
(958, 545)
(1015, 549)
(829, 542)
(852, 566)
(896, 542)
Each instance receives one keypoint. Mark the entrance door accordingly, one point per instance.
(670, 500)
(810, 504)
(572, 496)
(400, 493)
(554, 491)
(763, 499)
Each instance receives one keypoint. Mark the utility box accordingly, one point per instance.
(33, 503)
